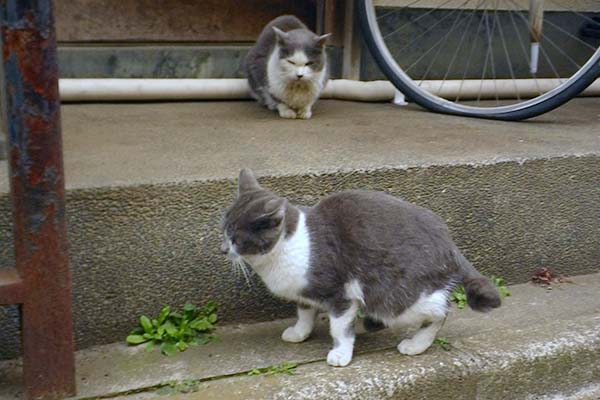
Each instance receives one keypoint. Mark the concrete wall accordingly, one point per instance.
(181, 58)
(135, 249)
(169, 21)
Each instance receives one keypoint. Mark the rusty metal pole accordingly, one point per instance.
(32, 124)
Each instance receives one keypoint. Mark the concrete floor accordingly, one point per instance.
(127, 144)
(540, 342)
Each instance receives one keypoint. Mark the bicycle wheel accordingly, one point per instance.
(496, 59)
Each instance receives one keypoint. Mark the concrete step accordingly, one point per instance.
(541, 344)
(147, 182)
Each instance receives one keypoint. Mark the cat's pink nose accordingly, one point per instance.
(224, 248)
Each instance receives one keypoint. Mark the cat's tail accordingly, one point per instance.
(481, 293)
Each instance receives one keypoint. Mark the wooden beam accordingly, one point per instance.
(352, 45)
(11, 287)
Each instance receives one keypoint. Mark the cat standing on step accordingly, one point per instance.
(287, 68)
(353, 250)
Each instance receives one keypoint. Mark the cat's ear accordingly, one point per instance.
(280, 35)
(322, 39)
(275, 208)
(273, 216)
(247, 181)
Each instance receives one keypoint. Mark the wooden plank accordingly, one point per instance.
(352, 45)
(11, 287)
(173, 20)
(333, 21)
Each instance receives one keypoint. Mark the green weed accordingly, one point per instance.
(175, 331)
(443, 343)
(459, 296)
(288, 368)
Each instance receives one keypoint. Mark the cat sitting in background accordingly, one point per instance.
(353, 250)
(287, 68)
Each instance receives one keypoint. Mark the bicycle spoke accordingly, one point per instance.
(468, 63)
(542, 50)
(575, 12)
(487, 55)
(462, 39)
(521, 41)
(395, 10)
(417, 19)
(509, 62)
(570, 35)
(414, 40)
(427, 52)
(446, 36)
(493, 65)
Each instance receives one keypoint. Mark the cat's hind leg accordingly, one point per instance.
(341, 329)
(422, 339)
(304, 326)
(429, 312)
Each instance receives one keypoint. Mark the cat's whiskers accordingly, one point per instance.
(240, 266)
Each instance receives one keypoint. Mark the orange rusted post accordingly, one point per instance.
(41, 279)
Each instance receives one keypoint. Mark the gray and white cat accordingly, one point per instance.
(287, 68)
(354, 249)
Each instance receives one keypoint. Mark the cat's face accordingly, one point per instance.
(253, 224)
(301, 54)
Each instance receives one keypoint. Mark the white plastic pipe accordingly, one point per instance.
(152, 89)
(78, 90)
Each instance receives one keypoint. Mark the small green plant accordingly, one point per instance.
(186, 386)
(443, 343)
(288, 368)
(501, 285)
(459, 296)
(174, 331)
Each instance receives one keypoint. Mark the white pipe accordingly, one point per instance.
(342, 89)
(152, 89)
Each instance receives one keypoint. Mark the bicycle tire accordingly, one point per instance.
(530, 108)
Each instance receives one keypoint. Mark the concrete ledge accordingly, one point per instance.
(163, 61)
(540, 342)
(147, 182)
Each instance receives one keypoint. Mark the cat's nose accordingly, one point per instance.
(299, 76)
(224, 248)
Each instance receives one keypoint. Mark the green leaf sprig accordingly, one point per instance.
(287, 368)
(175, 331)
(459, 296)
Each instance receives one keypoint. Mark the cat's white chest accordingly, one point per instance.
(295, 94)
(284, 269)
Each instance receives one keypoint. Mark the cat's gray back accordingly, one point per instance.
(266, 40)
(397, 250)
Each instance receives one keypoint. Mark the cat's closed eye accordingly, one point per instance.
(309, 63)
(291, 62)
(263, 224)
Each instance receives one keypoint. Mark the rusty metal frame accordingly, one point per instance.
(41, 279)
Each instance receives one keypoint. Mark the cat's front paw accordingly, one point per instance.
(411, 347)
(286, 112)
(292, 335)
(305, 114)
(339, 357)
